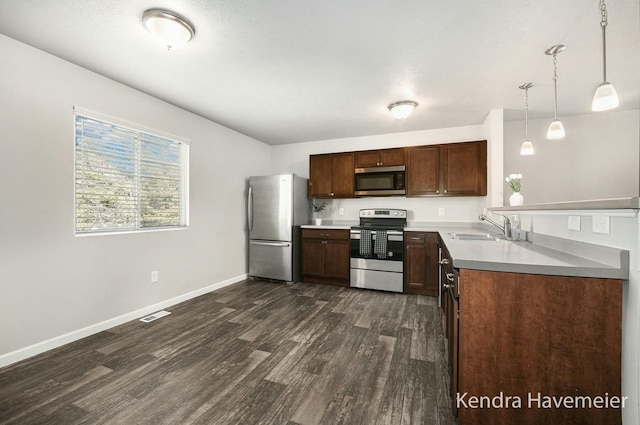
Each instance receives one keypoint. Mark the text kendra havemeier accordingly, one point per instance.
(539, 401)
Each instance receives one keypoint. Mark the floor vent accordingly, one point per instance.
(155, 316)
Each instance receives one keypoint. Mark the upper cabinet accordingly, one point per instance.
(380, 158)
(452, 169)
(464, 168)
(331, 175)
(422, 177)
(455, 169)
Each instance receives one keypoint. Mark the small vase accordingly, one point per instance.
(318, 221)
(516, 199)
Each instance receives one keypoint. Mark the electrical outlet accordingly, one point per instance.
(154, 276)
(341, 211)
(601, 224)
(441, 211)
(574, 222)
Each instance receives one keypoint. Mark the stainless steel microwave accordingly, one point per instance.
(380, 181)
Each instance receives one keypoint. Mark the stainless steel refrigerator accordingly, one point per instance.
(276, 208)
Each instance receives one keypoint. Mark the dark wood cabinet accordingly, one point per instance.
(464, 168)
(380, 158)
(320, 181)
(454, 169)
(326, 256)
(450, 314)
(331, 175)
(423, 170)
(524, 335)
(421, 263)
(529, 336)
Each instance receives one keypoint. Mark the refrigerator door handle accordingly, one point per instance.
(281, 244)
(250, 208)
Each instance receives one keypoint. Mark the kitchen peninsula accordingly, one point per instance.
(541, 315)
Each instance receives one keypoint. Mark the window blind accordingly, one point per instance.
(127, 179)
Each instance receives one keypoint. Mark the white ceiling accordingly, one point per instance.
(285, 71)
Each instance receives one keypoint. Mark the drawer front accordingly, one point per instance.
(325, 233)
(414, 237)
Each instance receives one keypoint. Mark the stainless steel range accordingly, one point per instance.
(377, 246)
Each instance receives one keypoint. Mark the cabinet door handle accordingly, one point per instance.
(450, 277)
(438, 191)
(445, 191)
(444, 261)
(413, 238)
(331, 193)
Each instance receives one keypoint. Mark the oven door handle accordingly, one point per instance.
(392, 235)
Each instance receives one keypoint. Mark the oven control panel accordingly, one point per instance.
(383, 213)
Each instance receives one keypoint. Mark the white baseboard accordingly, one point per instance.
(40, 347)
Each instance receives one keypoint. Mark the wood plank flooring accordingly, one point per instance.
(252, 353)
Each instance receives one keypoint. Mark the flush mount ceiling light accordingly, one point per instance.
(168, 28)
(527, 146)
(606, 97)
(556, 129)
(402, 110)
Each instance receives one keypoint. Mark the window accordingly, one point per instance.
(127, 178)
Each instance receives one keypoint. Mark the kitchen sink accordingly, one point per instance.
(476, 237)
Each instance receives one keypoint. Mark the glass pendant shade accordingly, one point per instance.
(402, 110)
(167, 28)
(527, 148)
(605, 98)
(556, 130)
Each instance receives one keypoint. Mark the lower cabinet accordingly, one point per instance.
(421, 263)
(536, 349)
(325, 256)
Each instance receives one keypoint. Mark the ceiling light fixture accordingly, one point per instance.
(606, 97)
(556, 129)
(402, 110)
(527, 146)
(168, 28)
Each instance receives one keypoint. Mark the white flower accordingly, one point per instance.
(513, 181)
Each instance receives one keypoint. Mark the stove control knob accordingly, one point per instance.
(390, 254)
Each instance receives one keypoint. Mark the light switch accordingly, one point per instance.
(601, 224)
(574, 222)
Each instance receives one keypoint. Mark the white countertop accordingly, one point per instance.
(540, 254)
(546, 255)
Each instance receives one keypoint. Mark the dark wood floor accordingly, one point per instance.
(251, 353)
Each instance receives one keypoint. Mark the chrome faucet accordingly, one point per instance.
(506, 229)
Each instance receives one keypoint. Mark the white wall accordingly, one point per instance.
(53, 283)
(295, 158)
(494, 128)
(598, 158)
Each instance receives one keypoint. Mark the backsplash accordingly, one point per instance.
(465, 209)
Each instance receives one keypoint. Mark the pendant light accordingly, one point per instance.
(556, 129)
(527, 146)
(168, 28)
(606, 97)
(401, 110)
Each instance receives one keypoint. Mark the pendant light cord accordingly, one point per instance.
(603, 24)
(555, 87)
(526, 114)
